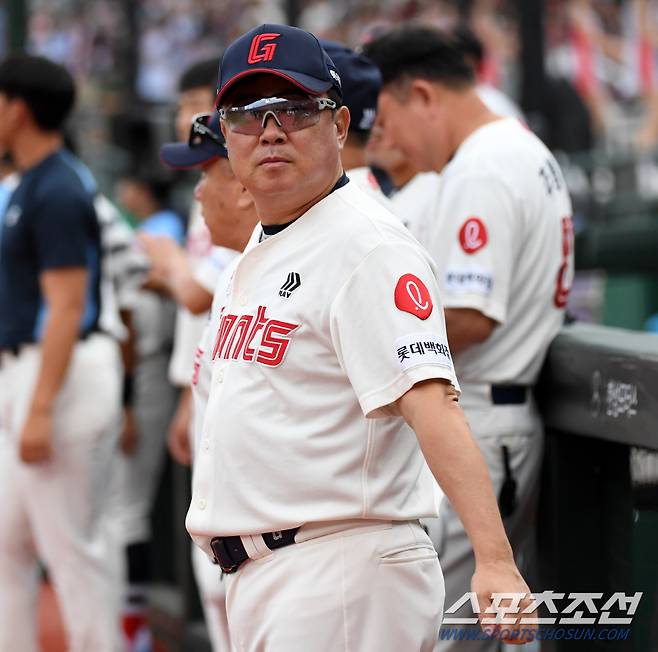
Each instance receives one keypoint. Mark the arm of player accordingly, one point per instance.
(466, 327)
(64, 294)
(431, 408)
(178, 438)
(171, 268)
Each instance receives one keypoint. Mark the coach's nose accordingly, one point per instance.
(272, 131)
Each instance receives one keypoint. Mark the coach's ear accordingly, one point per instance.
(342, 125)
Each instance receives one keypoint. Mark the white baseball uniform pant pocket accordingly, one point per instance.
(378, 590)
(55, 511)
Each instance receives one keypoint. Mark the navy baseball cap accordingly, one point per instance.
(289, 52)
(361, 81)
(205, 144)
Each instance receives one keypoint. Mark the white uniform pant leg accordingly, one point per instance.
(212, 591)
(525, 442)
(139, 473)
(65, 497)
(19, 570)
(370, 588)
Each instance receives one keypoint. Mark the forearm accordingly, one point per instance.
(460, 469)
(187, 292)
(60, 334)
(466, 327)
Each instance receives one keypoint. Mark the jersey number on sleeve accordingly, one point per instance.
(565, 274)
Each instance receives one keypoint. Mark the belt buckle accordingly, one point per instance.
(217, 545)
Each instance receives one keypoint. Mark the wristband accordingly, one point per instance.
(128, 392)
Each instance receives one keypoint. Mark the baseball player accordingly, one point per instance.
(503, 242)
(327, 340)
(57, 438)
(229, 214)
(360, 82)
(190, 275)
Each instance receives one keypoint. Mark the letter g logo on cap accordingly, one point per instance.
(260, 51)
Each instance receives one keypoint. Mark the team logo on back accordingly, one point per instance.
(473, 235)
(260, 51)
(412, 296)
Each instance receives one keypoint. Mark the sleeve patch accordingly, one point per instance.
(469, 281)
(473, 235)
(422, 348)
(412, 296)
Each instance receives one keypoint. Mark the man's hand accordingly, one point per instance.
(171, 272)
(35, 440)
(178, 439)
(503, 577)
(130, 433)
(165, 257)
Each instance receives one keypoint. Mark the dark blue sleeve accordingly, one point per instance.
(63, 227)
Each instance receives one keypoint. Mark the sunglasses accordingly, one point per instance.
(289, 114)
(200, 131)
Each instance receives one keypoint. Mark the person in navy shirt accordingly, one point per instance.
(60, 378)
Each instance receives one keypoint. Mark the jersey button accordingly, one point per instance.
(206, 444)
(242, 300)
(220, 376)
(201, 503)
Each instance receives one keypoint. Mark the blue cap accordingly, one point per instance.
(288, 52)
(361, 81)
(200, 149)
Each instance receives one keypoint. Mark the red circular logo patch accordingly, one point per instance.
(473, 235)
(412, 295)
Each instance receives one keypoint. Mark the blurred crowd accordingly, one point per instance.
(606, 49)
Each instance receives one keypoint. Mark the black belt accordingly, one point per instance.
(230, 552)
(509, 394)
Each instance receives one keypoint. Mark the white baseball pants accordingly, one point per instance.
(54, 511)
(212, 591)
(368, 586)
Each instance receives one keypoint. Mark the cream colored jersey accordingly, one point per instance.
(366, 180)
(503, 241)
(416, 203)
(320, 329)
(208, 262)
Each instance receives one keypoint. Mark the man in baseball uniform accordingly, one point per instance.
(360, 83)
(329, 350)
(229, 215)
(59, 376)
(503, 244)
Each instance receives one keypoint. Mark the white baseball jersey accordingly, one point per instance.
(416, 203)
(207, 262)
(320, 328)
(503, 241)
(366, 180)
(499, 102)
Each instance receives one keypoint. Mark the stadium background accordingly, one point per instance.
(586, 75)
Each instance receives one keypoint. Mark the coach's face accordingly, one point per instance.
(227, 207)
(285, 172)
(410, 118)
